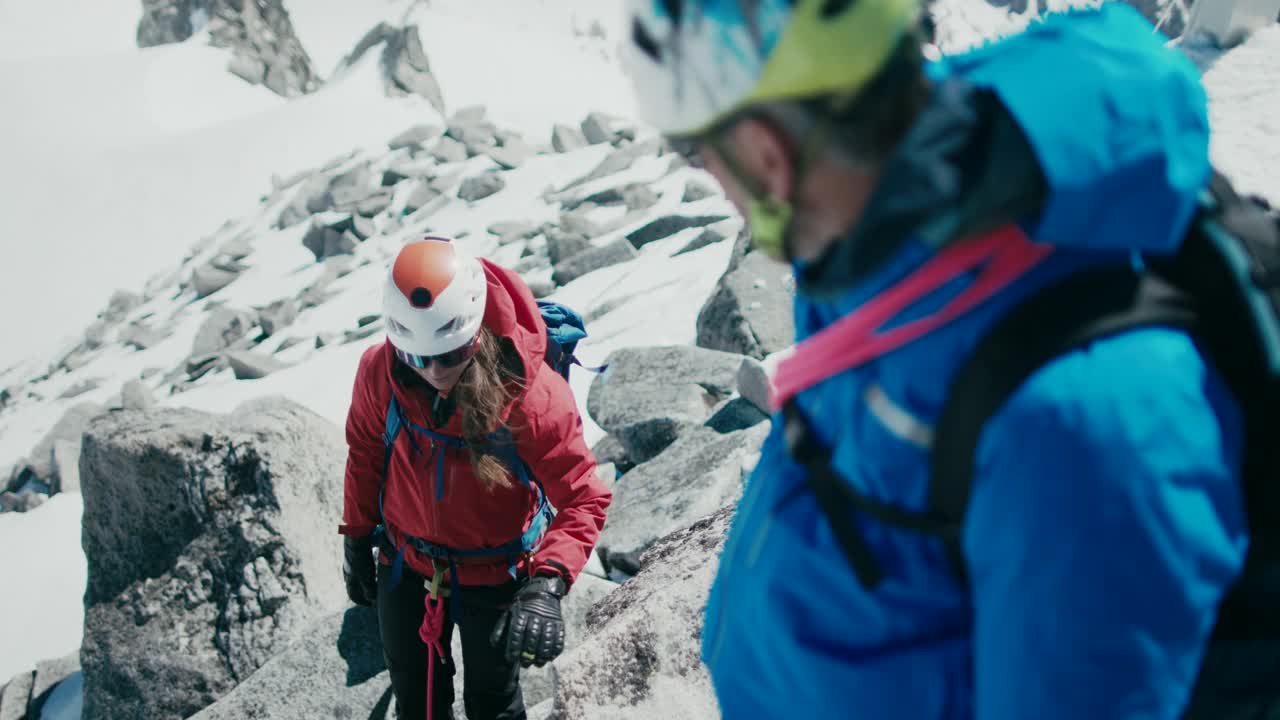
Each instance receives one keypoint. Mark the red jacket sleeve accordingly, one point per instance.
(365, 451)
(549, 433)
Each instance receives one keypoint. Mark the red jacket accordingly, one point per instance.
(547, 428)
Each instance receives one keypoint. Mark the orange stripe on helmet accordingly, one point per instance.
(423, 269)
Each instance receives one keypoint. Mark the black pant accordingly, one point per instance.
(491, 686)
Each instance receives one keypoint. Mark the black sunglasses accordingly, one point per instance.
(446, 360)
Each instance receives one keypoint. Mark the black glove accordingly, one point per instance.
(358, 570)
(533, 628)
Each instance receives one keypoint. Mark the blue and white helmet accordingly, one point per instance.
(697, 62)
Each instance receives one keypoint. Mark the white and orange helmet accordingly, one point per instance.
(434, 300)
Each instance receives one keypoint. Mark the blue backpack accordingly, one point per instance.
(565, 329)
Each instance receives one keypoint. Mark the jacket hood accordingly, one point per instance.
(1084, 126)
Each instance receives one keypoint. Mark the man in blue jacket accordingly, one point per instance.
(1105, 522)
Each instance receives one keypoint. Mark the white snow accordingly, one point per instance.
(120, 163)
(44, 570)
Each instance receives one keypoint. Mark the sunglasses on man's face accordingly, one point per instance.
(447, 360)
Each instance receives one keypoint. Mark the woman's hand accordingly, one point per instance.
(358, 570)
(533, 626)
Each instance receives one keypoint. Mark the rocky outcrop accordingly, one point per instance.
(210, 545)
(699, 473)
(259, 33)
(649, 396)
(641, 658)
(750, 312)
(405, 68)
(335, 670)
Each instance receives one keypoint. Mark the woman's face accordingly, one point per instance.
(441, 378)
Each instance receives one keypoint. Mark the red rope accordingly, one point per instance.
(431, 631)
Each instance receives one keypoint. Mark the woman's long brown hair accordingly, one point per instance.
(493, 378)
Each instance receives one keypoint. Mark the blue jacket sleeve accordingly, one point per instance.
(1106, 524)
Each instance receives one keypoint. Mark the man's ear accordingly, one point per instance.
(767, 154)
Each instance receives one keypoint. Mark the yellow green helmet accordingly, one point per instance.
(697, 62)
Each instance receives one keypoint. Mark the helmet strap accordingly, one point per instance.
(768, 217)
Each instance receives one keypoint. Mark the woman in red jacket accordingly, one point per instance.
(488, 431)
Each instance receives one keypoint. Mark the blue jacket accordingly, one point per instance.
(1106, 520)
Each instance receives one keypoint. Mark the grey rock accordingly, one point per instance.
(709, 236)
(469, 115)
(616, 162)
(374, 204)
(288, 343)
(514, 153)
(477, 138)
(696, 190)
(51, 672)
(406, 68)
(395, 175)
(363, 332)
(608, 451)
(237, 248)
(260, 35)
(613, 253)
(480, 187)
(250, 69)
(597, 128)
(207, 280)
(277, 316)
(541, 288)
(530, 263)
(413, 137)
(122, 303)
(334, 670)
(80, 388)
(135, 395)
(624, 135)
(579, 223)
(43, 464)
(253, 366)
(419, 197)
(562, 245)
(750, 311)
(95, 336)
(649, 396)
(641, 656)
(512, 230)
(566, 138)
(209, 546)
(16, 695)
(322, 241)
(669, 225)
(222, 329)
(736, 413)
(448, 150)
(444, 184)
(21, 502)
(639, 197)
(753, 383)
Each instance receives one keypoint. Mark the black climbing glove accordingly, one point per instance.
(358, 570)
(532, 629)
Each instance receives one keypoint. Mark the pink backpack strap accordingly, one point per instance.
(1004, 255)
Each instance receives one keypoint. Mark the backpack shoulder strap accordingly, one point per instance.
(395, 420)
(1070, 314)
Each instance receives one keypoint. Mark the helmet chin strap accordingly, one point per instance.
(771, 218)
